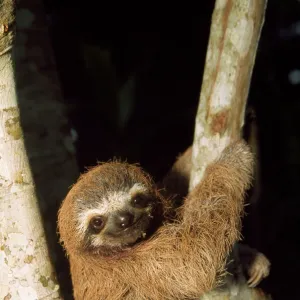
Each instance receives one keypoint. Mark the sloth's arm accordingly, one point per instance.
(189, 256)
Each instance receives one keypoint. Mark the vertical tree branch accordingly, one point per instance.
(36, 160)
(234, 37)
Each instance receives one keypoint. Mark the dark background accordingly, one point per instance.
(131, 81)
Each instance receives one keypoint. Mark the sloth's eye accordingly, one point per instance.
(140, 201)
(96, 224)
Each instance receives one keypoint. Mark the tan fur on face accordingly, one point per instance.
(84, 219)
(183, 259)
(114, 201)
(137, 189)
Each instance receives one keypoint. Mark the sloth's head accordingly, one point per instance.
(111, 207)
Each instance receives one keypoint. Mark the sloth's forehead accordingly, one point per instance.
(108, 202)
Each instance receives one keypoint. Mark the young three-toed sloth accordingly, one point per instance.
(125, 240)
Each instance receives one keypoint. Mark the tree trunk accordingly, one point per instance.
(37, 162)
(235, 31)
(234, 37)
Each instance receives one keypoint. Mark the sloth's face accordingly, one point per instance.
(120, 218)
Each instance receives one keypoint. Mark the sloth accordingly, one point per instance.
(125, 240)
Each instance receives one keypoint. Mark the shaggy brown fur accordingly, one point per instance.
(184, 258)
(244, 262)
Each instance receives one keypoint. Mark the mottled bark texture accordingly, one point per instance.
(235, 32)
(234, 36)
(36, 153)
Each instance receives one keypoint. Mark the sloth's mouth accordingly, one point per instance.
(142, 223)
(142, 228)
(146, 226)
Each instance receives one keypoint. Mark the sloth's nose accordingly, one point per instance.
(124, 219)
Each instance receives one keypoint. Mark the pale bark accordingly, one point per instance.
(36, 160)
(235, 32)
(234, 37)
